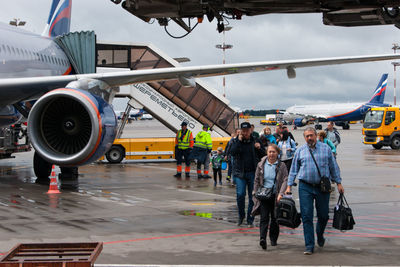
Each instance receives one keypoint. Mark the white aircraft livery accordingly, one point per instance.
(340, 113)
(70, 119)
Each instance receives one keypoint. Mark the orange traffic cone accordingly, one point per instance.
(53, 188)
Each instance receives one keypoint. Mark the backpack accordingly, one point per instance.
(286, 213)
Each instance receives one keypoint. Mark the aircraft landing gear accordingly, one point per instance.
(42, 169)
(318, 126)
(69, 178)
(346, 126)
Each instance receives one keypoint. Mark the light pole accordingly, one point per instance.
(224, 47)
(17, 22)
(395, 64)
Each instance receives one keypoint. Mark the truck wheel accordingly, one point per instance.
(377, 146)
(115, 154)
(395, 144)
(42, 169)
(318, 127)
(392, 12)
(346, 126)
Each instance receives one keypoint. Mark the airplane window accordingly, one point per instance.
(9, 50)
(17, 51)
(13, 50)
(41, 58)
(4, 48)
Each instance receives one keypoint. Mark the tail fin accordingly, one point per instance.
(379, 93)
(59, 18)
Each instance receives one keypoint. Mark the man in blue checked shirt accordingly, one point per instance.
(304, 168)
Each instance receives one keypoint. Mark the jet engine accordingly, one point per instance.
(300, 122)
(71, 127)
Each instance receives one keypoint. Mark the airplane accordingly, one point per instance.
(133, 114)
(338, 13)
(340, 113)
(70, 118)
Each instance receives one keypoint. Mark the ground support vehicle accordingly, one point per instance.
(13, 139)
(382, 127)
(150, 148)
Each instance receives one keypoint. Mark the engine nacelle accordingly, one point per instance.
(71, 127)
(300, 122)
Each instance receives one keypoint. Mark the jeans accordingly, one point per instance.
(267, 211)
(229, 162)
(308, 194)
(241, 185)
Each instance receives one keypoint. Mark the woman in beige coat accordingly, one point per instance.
(270, 173)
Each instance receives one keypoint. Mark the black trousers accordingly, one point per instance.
(288, 164)
(219, 172)
(267, 212)
(182, 154)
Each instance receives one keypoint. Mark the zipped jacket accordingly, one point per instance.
(203, 140)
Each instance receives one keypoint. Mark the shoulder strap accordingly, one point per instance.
(312, 155)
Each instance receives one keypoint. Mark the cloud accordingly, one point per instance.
(259, 38)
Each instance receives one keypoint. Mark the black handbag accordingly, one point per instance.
(267, 193)
(342, 215)
(324, 182)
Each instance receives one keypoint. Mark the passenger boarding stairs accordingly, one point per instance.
(168, 101)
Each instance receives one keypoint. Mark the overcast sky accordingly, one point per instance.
(261, 38)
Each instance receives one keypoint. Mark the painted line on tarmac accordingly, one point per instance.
(175, 236)
(205, 193)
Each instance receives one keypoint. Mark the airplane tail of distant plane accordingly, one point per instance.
(379, 94)
(59, 19)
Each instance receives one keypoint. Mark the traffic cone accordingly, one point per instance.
(53, 188)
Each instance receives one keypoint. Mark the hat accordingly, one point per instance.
(184, 123)
(220, 149)
(245, 125)
(206, 125)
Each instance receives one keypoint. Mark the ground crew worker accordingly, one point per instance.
(183, 146)
(202, 150)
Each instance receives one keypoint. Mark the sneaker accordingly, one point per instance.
(240, 222)
(215, 184)
(321, 241)
(274, 243)
(187, 175)
(308, 252)
(178, 175)
(220, 183)
(199, 176)
(263, 244)
(228, 178)
(206, 176)
(250, 225)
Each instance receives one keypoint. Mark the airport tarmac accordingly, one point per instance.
(146, 216)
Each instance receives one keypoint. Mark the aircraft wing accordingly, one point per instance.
(185, 73)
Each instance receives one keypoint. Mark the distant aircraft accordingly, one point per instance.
(338, 13)
(341, 113)
(72, 122)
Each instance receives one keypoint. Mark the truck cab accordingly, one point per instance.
(382, 127)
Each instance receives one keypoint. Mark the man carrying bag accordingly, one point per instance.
(305, 169)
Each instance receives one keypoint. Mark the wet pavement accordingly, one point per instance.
(145, 216)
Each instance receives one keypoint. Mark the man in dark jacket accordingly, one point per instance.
(247, 152)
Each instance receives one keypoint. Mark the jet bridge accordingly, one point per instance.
(168, 101)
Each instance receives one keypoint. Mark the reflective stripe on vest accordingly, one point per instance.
(185, 142)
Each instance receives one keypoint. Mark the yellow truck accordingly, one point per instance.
(149, 148)
(382, 127)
